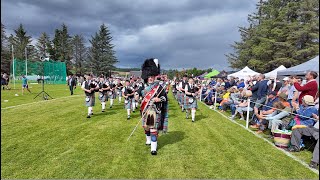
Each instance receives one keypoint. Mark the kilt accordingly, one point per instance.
(90, 100)
(177, 96)
(128, 105)
(119, 92)
(112, 95)
(182, 97)
(188, 105)
(103, 97)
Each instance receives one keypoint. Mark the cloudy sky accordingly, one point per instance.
(180, 33)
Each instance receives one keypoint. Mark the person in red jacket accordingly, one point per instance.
(310, 88)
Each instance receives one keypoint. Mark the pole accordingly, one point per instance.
(248, 108)
(26, 54)
(215, 100)
(13, 69)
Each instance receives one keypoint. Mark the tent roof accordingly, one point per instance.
(244, 73)
(302, 69)
(213, 73)
(273, 74)
(222, 74)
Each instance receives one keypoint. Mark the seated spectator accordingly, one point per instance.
(308, 131)
(241, 84)
(266, 109)
(280, 117)
(305, 111)
(234, 96)
(243, 105)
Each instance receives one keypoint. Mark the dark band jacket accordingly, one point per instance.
(159, 106)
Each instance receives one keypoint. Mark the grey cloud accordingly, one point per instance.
(176, 32)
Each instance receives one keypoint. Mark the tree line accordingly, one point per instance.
(281, 32)
(98, 58)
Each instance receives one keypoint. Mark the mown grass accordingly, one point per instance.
(54, 139)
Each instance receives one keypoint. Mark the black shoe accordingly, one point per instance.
(110, 107)
(91, 114)
(153, 153)
(88, 116)
(313, 165)
(128, 117)
(133, 111)
(102, 110)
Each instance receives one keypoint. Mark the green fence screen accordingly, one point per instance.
(54, 72)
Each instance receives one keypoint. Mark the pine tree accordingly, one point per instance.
(79, 54)
(44, 46)
(19, 42)
(5, 51)
(284, 32)
(102, 55)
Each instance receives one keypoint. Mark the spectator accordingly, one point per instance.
(71, 83)
(241, 84)
(232, 81)
(233, 99)
(243, 106)
(310, 88)
(280, 117)
(262, 90)
(305, 111)
(266, 110)
(286, 86)
(309, 131)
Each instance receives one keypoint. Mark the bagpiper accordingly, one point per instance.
(154, 106)
(112, 91)
(190, 101)
(89, 86)
(103, 89)
(128, 94)
(119, 88)
(182, 95)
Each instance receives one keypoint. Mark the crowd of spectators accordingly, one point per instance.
(287, 104)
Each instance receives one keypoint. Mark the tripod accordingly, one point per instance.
(45, 95)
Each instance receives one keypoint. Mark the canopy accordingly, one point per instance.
(222, 74)
(273, 74)
(213, 73)
(302, 69)
(202, 75)
(244, 73)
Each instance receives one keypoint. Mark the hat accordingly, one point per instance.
(283, 96)
(309, 100)
(150, 67)
(272, 93)
(286, 79)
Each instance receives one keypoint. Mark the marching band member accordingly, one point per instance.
(89, 87)
(182, 86)
(154, 106)
(119, 88)
(103, 89)
(190, 102)
(128, 94)
(112, 91)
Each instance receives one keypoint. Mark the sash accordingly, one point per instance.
(147, 98)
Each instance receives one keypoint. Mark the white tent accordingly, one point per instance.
(244, 73)
(273, 74)
(302, 69)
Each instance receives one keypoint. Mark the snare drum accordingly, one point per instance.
(282, 138)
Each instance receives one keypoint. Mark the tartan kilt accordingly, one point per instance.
(178, 96)
(129, 104)
(90, 100)
(102, 97)
(187, 105)
(182, 98)
(120, 93)
(113, 95)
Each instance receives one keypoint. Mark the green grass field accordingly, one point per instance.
(54, 139)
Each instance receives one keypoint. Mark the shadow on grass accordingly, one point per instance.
(171, 138)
